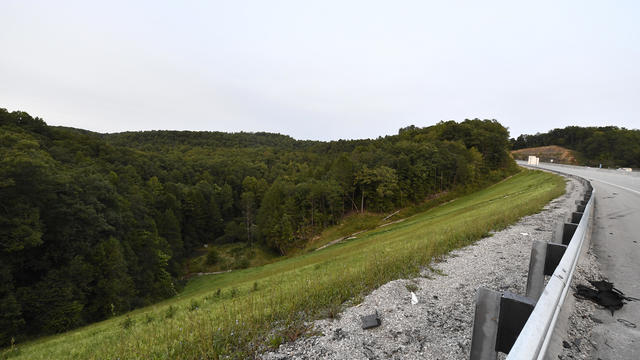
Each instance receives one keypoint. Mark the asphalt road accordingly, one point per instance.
(616, 240)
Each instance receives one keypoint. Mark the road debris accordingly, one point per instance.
(414, 298)
(370, 321)
(603, 294)
(627, 323)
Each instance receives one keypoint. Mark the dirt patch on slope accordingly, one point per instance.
(551, 153)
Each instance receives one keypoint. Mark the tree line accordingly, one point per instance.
(94, 225)
(610, 146)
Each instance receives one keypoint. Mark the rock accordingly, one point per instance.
(368, 353)
(338, 334)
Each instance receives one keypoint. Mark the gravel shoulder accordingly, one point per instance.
(439, 325)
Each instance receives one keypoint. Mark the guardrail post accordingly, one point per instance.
(554, 253)
(556, 234)
(567, 232)
(514, 313)
(537, 265)
(575, 217)
(485, 325)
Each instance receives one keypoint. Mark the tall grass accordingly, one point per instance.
(235, 314)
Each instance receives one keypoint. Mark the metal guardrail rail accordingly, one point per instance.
(533, 341)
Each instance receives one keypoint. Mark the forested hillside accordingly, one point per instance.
(610, 146)
(93, 225)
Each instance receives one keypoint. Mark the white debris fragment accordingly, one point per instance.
(524, 234)
(414, 298)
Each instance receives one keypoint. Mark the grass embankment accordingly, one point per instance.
(235, 313)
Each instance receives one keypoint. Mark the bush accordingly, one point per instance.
(127, 322)
(242, 263)
(171, 310)
(148, 318)
(213, 257)
(275, 341)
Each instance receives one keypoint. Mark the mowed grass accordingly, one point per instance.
(235, 314)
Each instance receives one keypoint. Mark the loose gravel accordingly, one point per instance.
(439, 325)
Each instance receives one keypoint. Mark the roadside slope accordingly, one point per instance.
(439, 326)
(235, 314)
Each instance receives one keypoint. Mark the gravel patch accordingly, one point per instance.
(439, 325)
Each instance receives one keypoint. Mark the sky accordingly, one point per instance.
(321, 70)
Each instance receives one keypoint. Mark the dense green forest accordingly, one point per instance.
(93, 225)
(610, 146)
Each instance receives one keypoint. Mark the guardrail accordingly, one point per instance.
(534, 338)
(522, 326)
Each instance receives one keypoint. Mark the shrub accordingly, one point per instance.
(242, 263)
(127, 322)
(171, 310)
(213, 257)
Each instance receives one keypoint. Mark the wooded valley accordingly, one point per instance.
(93, 225)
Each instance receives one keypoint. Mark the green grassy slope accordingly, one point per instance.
(235, 313)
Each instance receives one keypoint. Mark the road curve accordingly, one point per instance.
(616, 241)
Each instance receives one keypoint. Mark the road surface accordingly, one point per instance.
(616, 241)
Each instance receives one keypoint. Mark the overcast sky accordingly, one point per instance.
(321, 69)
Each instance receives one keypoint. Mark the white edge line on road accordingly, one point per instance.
(621, 187)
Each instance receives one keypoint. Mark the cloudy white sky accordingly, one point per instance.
(321, 69)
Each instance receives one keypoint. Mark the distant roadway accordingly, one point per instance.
(616, 241)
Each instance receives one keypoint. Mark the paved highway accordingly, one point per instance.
(616, 240)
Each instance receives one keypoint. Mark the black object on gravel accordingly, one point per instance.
(604, 294)
(370, 321)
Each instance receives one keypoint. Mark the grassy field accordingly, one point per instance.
(234, 314)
